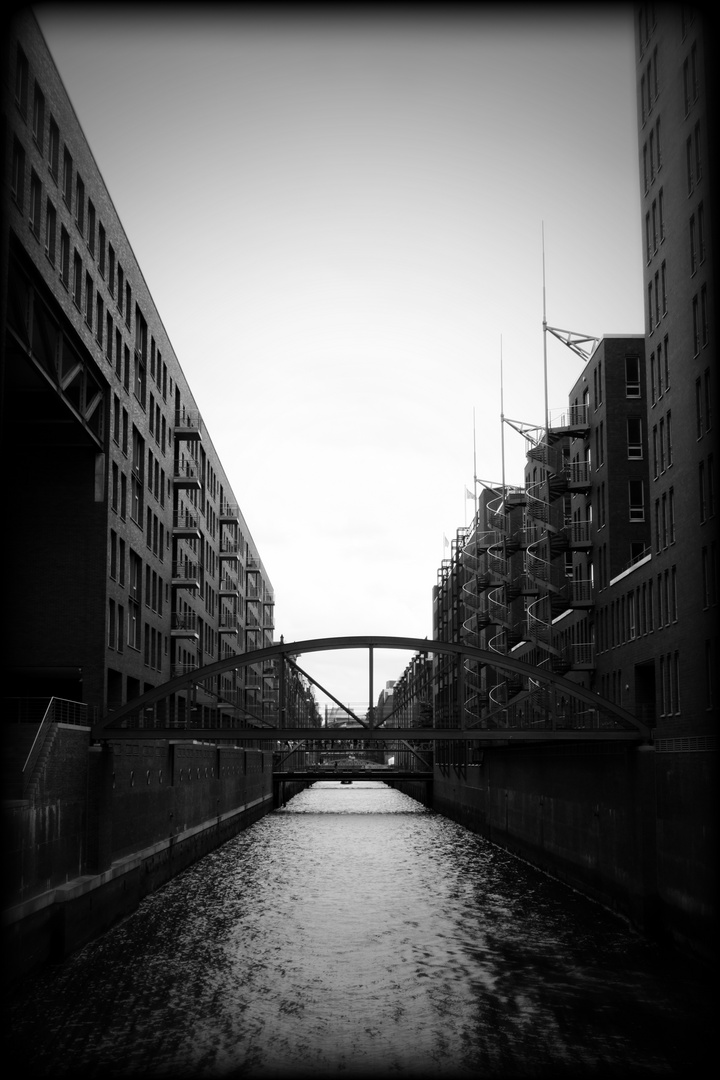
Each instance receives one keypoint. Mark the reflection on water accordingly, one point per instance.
(352, 933)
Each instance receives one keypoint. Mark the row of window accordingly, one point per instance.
(657, 297)
(124, 627)
(652, 156)
(638, 612)
(655, 226)
(670, 684)
(646, 25)
(98, 317)
(665, 520)
(633, 389)
(697, 238)
(611, 684)
(710, 569)
(86, 298)
(649, 85)
(649, 82)
(659, 370)
(700, 320)
(691, 87)
(92, 230)
(703, 404)
(154, 585)
(158, 537)
(662, 444)
(693, 158)
(706, 488)
(157, 481)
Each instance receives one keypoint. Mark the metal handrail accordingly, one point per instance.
(58, 711)
(186, 519)
(188, 420)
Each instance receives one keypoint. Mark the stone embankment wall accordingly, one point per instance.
(108, 825)
(611, 821)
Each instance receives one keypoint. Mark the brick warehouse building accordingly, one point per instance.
(604, 565)
(132, 560)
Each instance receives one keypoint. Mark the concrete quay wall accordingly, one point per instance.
(138, 814)
(625, 826)
(420, 790)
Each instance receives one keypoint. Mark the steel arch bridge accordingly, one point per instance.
(569, 712)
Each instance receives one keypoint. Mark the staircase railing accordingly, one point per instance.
(58, 711)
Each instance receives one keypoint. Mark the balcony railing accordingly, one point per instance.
(578, 532)
(186, 473)
(229, 549)
(229, 511)
(578, 472)
(188, 425)
(186, 573)
(582, 655)
(572, 418)
(182, 669)
(581, 591)
(186, 521)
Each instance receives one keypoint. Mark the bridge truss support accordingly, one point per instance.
(574, 713)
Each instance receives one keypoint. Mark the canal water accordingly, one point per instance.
(354, 933)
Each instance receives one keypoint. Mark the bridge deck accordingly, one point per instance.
(278, 734)
(351, 774)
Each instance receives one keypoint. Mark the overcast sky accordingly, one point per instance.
(339, 220)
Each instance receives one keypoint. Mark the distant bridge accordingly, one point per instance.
(384, 774)
(570, 711)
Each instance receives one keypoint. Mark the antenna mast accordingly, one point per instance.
(502, 422)
(475, 478)
(544, 323)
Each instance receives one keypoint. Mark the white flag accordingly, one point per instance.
(469, 495)
(446, 542)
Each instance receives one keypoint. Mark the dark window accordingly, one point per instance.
(21, 82)
(88, 300)
(632, 376)
(99, 318)
(17, 182)
(67, 178)
(91, 228)
(35, 202)
(39, 118)
(53, 148)
(101, 249)
(634, 438)
(77, 280)
(50, 231)
(636, 496)
(80, 204)
(64, 257)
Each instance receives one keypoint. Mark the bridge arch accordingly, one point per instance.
(618, 723)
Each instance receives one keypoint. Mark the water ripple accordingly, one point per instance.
(355, 932)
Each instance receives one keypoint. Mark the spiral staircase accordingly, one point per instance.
(480, 578)
(552, 531)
